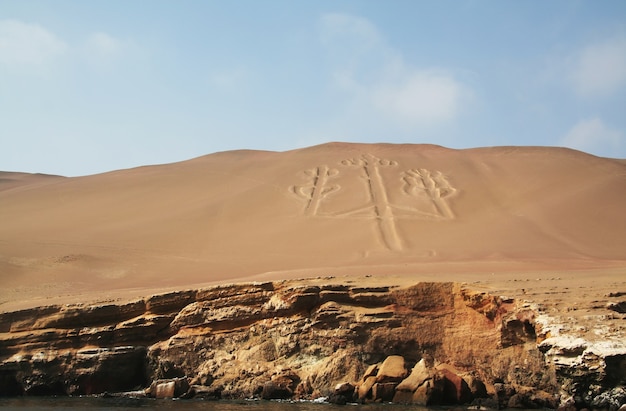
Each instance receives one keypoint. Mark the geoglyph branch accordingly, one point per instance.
(317, 189)
(422, 182)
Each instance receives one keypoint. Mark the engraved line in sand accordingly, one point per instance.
(317, 189)
(378, 197)
(419, 182)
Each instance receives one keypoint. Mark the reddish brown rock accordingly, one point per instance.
(165, 390)
(393, 369)
(364, 389)
(402, 397)
(421, 396)
(280, 387)
(419, 374)
(456, 390)
(343, 393)
(406, 389)
(384, 391)
(171, 388)
(344, 388)
(430, 392)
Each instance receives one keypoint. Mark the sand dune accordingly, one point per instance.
(333, 209)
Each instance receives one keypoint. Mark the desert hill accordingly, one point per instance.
(333, 209)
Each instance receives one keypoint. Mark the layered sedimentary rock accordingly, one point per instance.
(430, 343)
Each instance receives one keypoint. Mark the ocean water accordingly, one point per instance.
(134, 404)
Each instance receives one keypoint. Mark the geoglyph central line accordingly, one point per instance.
(429, 190)
(379, 198)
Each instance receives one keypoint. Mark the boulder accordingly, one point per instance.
(421, 395)
(393, 369)
(384, 391)
(402, 397)
(456, 390)
(406, 389)
(364, 389)
(345, 388)
(430, 392)
(343, 393)
(419, 374)
(280, 387)
(165, 390)
(172, 388)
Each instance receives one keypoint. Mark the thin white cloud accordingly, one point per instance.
(103, 44)
(600, 69)
(593, 136)
(102, 51)
(420, 97)
(27, 44)
(379, 82)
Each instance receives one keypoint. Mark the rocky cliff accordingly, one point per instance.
(430, 343)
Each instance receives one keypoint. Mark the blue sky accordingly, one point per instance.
(93, 86)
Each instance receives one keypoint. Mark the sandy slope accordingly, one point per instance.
(491, 215)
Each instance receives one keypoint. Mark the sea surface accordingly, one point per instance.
(134, 404)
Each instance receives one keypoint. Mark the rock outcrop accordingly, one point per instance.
(431, 343)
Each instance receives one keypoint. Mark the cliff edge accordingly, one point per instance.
(427, 343)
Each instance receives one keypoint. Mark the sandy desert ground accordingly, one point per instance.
(543, 224)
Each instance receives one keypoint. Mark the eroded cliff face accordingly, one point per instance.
(429, 343)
